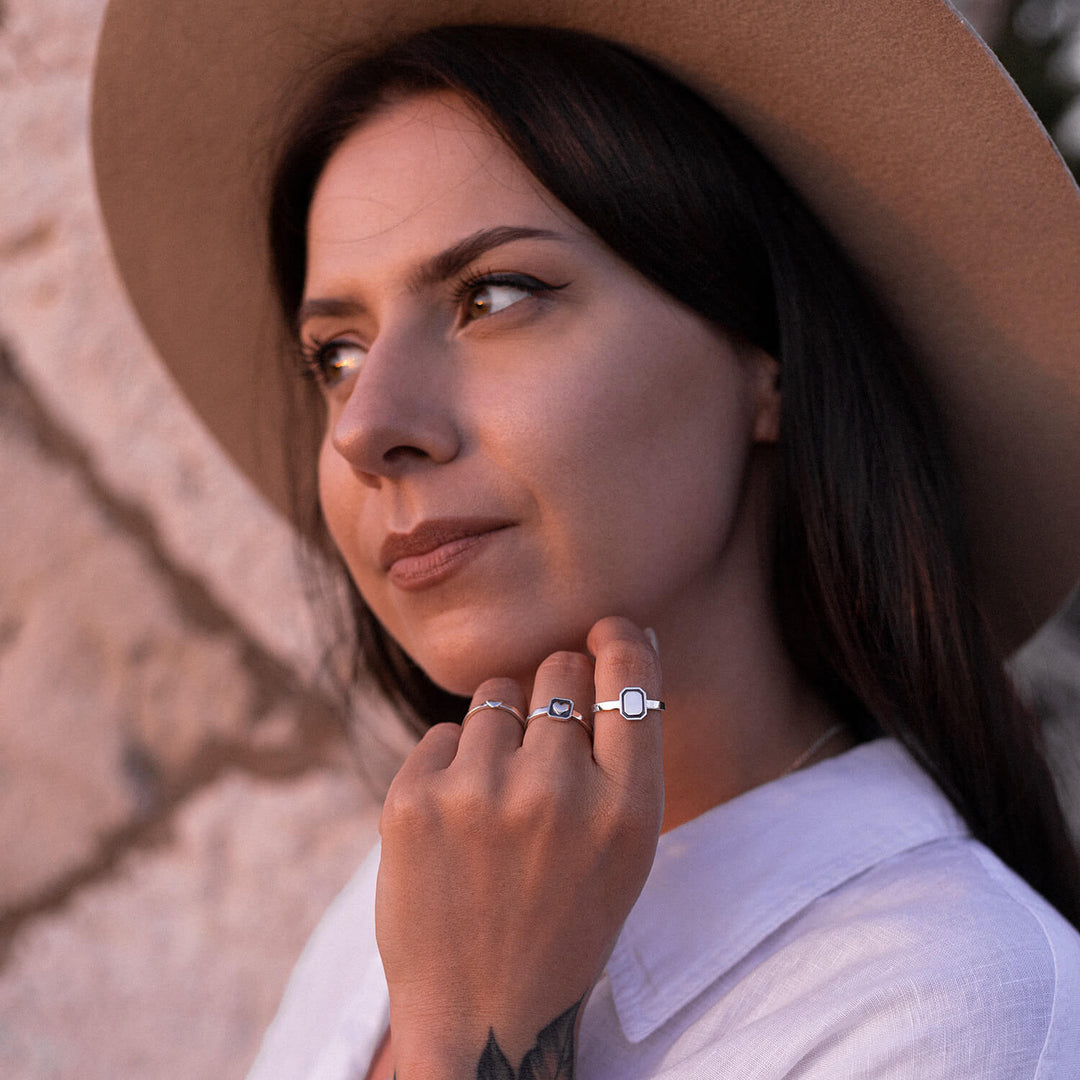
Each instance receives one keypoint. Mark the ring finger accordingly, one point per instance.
(495, 721)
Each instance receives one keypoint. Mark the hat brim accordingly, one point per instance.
(894, 121)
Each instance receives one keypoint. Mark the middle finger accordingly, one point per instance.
(563, 677)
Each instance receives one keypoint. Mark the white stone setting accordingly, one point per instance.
(633, 703)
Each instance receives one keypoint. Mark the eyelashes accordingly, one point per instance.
(481, 296)
(488, 293)
(324, 362)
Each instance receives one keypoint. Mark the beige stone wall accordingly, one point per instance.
(177, 804)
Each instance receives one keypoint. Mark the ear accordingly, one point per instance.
(765, 386)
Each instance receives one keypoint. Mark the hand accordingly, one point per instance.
(510, 861)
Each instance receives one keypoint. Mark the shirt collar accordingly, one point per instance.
(722, 883)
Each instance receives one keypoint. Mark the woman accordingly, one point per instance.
(586, 364)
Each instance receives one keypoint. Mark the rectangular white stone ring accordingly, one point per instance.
(633, 704)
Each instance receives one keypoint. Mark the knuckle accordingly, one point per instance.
(441, 732)
(405, 808)
(630, 662)
(498, 689)
(539, 802)
(446, 808)
(477, 800)
(566, 665)
(438, 740)
(531, 793)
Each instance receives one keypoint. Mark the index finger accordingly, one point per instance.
(625, 662)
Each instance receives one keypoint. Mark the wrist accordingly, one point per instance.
(467, 1050)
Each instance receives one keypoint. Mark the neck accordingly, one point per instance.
(739, 714)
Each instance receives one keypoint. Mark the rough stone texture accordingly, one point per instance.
(63, 762)
(62, 312)
(127, 691)
(104, 690)
(171, 967)
(177, 803)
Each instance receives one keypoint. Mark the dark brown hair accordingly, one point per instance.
(871, 566)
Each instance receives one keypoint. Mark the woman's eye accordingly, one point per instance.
(490, 297)
(334, 361)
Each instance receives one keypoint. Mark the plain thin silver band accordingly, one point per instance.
(651, 704)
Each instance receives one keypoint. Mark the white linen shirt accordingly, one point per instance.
(836, 923)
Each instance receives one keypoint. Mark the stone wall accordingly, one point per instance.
(177, 803)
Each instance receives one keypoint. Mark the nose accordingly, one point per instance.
(399, 414)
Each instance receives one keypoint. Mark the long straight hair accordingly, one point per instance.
(871, 567)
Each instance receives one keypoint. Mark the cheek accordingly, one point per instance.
(644, 463)
(668, 417)
(338, 492)
(331, 490)
(667, 492)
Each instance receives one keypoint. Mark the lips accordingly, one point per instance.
(434, 548)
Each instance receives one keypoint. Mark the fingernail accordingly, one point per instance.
(650, 633)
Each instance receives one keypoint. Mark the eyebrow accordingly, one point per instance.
(441, 267)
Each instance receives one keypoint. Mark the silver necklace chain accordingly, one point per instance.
(812, 749)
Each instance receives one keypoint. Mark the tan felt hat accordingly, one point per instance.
(892, 118)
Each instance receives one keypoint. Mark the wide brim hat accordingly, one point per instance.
(891, 117)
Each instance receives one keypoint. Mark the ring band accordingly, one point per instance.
(633, 704)
(500, 705)
(560, 709)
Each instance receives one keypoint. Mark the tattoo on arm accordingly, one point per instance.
(552, 1058)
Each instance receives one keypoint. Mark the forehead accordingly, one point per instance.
(422, 172)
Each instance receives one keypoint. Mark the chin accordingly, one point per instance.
(460, 669)
(462, 672)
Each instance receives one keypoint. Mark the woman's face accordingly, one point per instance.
(523, 435)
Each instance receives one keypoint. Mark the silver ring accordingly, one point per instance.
(633, 704)
(501, 705)
(558, 708)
